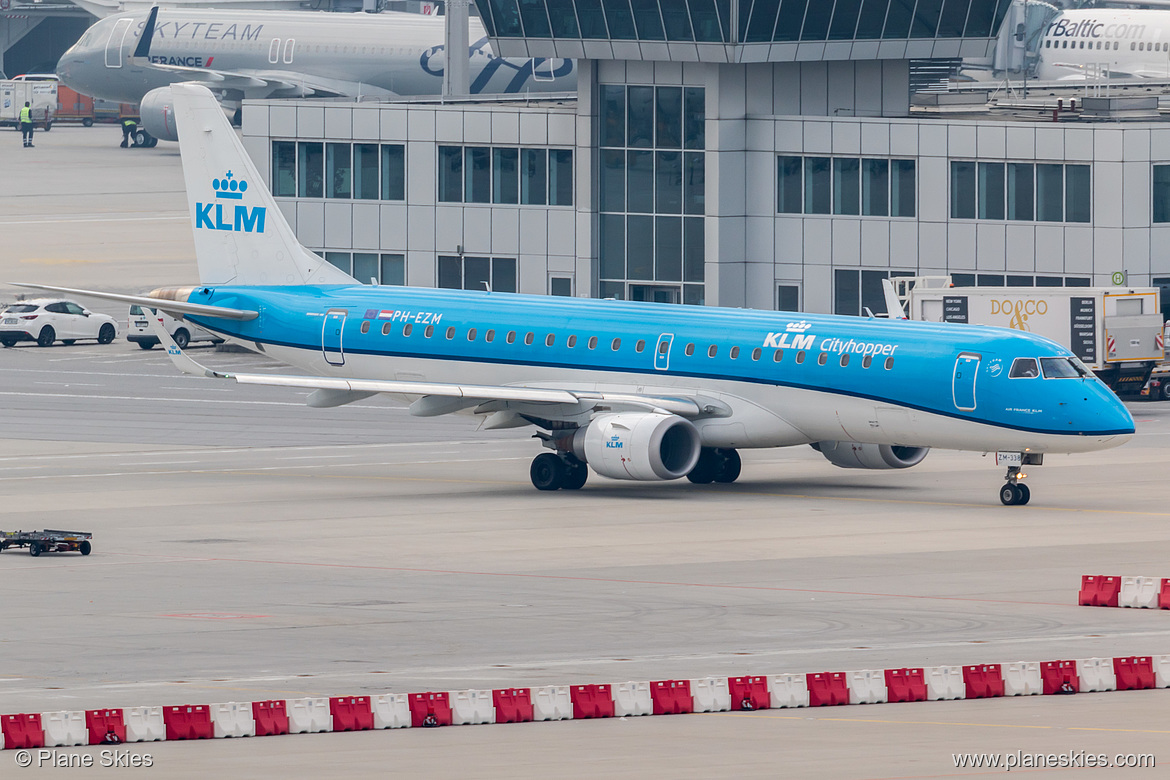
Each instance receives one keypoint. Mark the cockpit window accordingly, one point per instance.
(1024, 368)
(1063, 368)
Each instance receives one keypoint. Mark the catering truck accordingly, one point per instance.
(1115, 331)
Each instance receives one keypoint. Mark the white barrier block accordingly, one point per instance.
(391, 711)
(144, 724)
(1096, 674)
(867, 686)
(1161, 671)
(308, 716)
(944, 682)
(788, 690)
(552, 702)
(62, 729)
(1139, 592)
(1022, 678)
(632, 698)
(232, 719)
(469, 708)
(711, 694)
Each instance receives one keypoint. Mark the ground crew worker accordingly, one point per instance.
(129, 126)
(26, 125)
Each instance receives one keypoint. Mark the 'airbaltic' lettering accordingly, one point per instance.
(245, 220)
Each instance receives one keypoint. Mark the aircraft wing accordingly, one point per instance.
(169, 306)
(437, 398)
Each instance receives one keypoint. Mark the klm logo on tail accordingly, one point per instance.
(238, 218)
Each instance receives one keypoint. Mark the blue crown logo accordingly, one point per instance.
(229, 187)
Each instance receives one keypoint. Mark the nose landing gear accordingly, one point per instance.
(1015, 492)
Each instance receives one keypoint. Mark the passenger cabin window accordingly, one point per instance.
(822, 358)
(734, 353)
(430, 331)
(756, 353)
(511, 336)
(799, 356)
(889, 363)
(549, 340)
(366, 326)
(640, 345)
(712, 351)
(490, 336)
(844, 360)
(450, 333)
(471, 335)
(867, 361)
(616, 345)
(778, 355)
(407, 329)
(386, 329)
(529, 338)
(572, 342)
(1024, 368)
(592, 342)
(690, 350)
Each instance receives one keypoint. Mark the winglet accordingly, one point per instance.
(181, 361)
(143, 48)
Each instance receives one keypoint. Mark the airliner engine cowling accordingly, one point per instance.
(851, 455)
(157, 110)
(638, 445)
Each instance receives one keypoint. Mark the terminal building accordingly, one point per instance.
(744, 153)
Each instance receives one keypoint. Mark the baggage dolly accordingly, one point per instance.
(48, 540)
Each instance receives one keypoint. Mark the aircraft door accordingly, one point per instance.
(331, 331)
(114, 44)
(290, 46)
(963, 382)
(662, 354)
(274, 51)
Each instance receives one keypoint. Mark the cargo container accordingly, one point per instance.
(41, 94)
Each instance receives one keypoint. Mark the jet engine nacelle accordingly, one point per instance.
(638, 445)
(157, 110)
(851, 455)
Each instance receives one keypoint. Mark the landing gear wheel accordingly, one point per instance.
(47, 337)
(106, 334)
(730, 468)
(576, 474)
(85, 548)
(547, 471)
(1024, 493)
(707, 468)
(34, 549)
(1014, 495)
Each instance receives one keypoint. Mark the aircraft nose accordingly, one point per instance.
(1111, 416)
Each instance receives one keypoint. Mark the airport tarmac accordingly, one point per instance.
(247, 547)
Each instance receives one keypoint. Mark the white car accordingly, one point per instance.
(46, 320)
(181, 331)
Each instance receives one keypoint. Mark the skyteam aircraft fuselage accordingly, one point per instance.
(1106, 42)
(261, 54)
(630, 390)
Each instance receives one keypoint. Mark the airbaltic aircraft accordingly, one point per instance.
(263, 54)
(636, 391)
(1106, 42)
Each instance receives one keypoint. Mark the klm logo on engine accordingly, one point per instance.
(793, 337)
(614, 443)
(226, 216)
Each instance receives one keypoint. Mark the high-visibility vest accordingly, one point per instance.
(26, 114)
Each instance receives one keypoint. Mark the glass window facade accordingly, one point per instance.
(651, 193)
(1028, 192)
(505, 175)
(759, 20)
(855, 290)
(1161, 194)
(846, 186)
(310, 169)
(497, 274)
(370, 267)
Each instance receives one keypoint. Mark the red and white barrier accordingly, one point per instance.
(1138, 593)
(562, 702)
(1132, 592)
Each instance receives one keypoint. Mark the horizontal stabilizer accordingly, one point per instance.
(170, 307)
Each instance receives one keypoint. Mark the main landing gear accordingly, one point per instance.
(1015, 492)
(716, 464)
(556, 471)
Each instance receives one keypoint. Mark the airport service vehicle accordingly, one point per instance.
(47, 320)
(182, 332)
(42, 94)
(48, 540)
(133, 57)
(634, 391)
(1115, 331)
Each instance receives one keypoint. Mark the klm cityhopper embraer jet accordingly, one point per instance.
(636, 391)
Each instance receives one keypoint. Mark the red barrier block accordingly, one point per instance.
(827, 689)
(351, 713)
(271, 717)
(983, 682)
(749, 693)
(1164, 595)
(671, 697)
(106, 727)
(906, 685)
(1134, 673)
(513, 705)
(1099, 591)
(592, 701)
(188, 722)
(1060, 677)
(22, 731)
(430, 709)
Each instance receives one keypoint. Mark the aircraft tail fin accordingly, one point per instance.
(241, 237)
